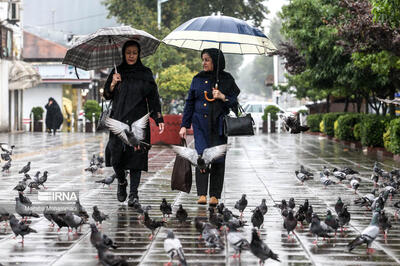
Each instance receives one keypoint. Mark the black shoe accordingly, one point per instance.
(133, 198)
(121, 191)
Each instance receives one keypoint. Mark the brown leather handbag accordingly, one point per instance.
(181, 178)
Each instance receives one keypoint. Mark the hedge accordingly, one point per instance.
(357, 131)
(329, 121)
(90, 107)
(345, 126)
(313, 122)
(37, 113)
(372, 129)
(392, 137)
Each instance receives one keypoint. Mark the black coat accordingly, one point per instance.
(54, 117)
(133, 97)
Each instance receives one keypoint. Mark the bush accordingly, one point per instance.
(313, 122)
(273, 110)
(357, 131)
(321, 126)
(90, 107)
(386, 140)
(345, 126)
(372, 129)
(329, 120)
(392, 137)
(37, 113)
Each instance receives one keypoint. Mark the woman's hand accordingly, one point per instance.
(218, 94)
(182, 132)
(161, 126)
(116, 78)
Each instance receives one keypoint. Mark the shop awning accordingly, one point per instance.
(22, 75)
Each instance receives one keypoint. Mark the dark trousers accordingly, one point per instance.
(216, 174)
(134, 179)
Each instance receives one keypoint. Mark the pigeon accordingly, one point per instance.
(99, 161)
(344, 217)
(384, 223)
(93, 160)
(165, 208)
(181, 214)
(257, 219)
(152, 224)
(377, 169)
(282, 205)
(260, 249)
(204, 160)
(106, 257)
(306, 172)
(43, 179)
(389, 190)
(237, 241)
(339, 175)
(221, 210)
(232, 220)
(132, 135)
(139, 209)
(25, 200)
(366, 200)
(241, 204)
(306, 204)
(199, 225)
(47, 213)
(6, 149)
(291, 124)
(378, 203)
(332, 221)
(4, 215)
(349, 171)
(339, 205)
(25, 169)
(58, 219)
(300, 215)
(173, 247)
(107, 181)
(6, 167)
(97, 238)
(214, 218)
(263, 207)
(289, 223)
(93, 169)
(309, 214)
(21, 185)
(367, 236)
(375, 178)
(33, 185)
(20, 228)
(98, 216)
(325, 180)
(319, 228)
(355, 183)
(211, 237)
(326, 171)
(80, 211)
(291, 203)
(73, 221)
(300, 176)
(23, 211)
(36, 177)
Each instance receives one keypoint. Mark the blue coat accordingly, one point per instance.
(196, 113)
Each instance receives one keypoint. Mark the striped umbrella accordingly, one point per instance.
(230, 35)
(103, 48)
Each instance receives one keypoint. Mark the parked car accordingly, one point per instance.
(256, 109)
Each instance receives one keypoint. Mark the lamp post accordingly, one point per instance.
(159, 2)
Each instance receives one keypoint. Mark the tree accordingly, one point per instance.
(387, 11)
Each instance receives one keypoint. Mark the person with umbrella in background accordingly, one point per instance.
(206, 117)
(134, 93)
(54, 117)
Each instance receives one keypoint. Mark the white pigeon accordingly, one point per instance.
(173, 247)
(132, 135)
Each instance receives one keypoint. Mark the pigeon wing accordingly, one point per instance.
(139, 125)
(187, 153)
(118, 128)
(213, 153)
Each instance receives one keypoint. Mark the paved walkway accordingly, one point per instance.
(260, 166)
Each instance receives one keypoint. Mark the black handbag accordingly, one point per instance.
(105, 112)
(240, 125)
(181, 178)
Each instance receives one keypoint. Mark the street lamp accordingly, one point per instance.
(159, 2)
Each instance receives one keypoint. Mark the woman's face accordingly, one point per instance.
(131, 54)
(207, 62)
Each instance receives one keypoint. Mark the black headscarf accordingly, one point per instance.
(124, 66)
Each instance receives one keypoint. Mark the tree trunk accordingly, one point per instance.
(327, 104)
(346, 104)
(366, 105)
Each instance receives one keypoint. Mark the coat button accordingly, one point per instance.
(205, 116)
(205, 104)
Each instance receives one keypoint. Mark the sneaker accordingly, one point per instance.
(202, 200)
(121, 191)
(133, 198)
(213, 201)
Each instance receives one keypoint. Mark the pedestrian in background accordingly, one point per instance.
(134, 94)
(54, 117)
(206, 117)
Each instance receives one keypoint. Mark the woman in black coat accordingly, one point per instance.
(134, 93)
(54, 117)
(206, 117)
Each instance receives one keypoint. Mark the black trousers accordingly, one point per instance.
(134, 179)
(216, 174)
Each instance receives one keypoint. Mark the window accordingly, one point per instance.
(6, 43)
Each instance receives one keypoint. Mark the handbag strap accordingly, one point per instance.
(183, 142)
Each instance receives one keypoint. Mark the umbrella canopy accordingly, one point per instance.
(230, 35)
(103, 48)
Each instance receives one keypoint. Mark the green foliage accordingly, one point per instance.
(174, 83)
(345, 126)
(392, 136)
(372, 129)
(357, 131)
(90, 107)
(313, 122)
(329, 121)
(273, 110)
(321, 126)
(37, 113)
(387, 11)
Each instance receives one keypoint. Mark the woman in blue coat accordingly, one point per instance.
(206, 117)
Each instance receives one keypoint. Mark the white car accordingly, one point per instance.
(256, 109)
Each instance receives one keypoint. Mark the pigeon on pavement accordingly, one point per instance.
(107, 181)
(165, 208)
(339, 205)
(98, 216)
(339, 175)
(106, 257)
(6, 167)
(344, 217)
(260, 249)
(319, 228)
(25, 200)
(325, 180)
(43, 179)
(237, 241)
(20, 228)
(181, 214)
(292, 124)
(73, 221)
(58, 219)
(300, 176)
(263, 206)
(23, 211)
(241, 204)
(152, 224)
(257, 219)
(367, 236)
(289, 223)
(305, 171)
(332, 221)
(384, 223)
(97, 238)
(47, 213)
(25, 169)
(173, 247)
(355, 183)
(212, 238)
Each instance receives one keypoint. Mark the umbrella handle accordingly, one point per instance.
(206, 97)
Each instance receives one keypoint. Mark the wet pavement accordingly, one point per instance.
(261, 166)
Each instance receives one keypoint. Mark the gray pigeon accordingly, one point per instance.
(319, 228)
(355, 183)
(20, 228)
(263, 207)
(4, 215)
(212, 238)
(47, 213)
(108, 258)
(43, 179)
(257, 219)
(25, 169)
(325, 180)
(173, 247)
(6, 167)
(289, 223)
(367, 236)
(21, 185)
(165, 208)
(98, 216)
(23, 211)
(107, 181)
(300, 176)
(241, 204)
(25, 200)
(97, 238)
(260, 249)
(237, 241)
(73, 221)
